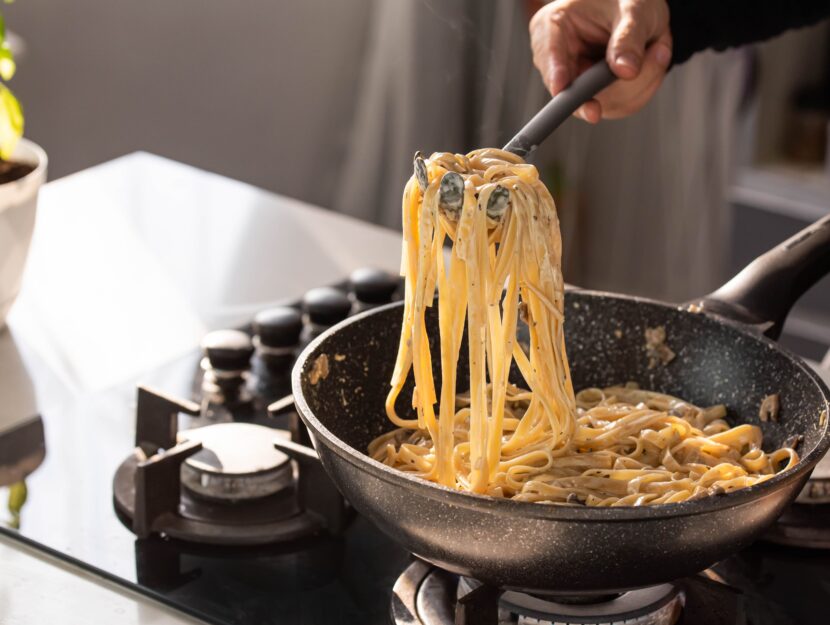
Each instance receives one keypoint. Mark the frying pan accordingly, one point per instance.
(724, 354)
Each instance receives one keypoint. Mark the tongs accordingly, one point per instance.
(560, 107)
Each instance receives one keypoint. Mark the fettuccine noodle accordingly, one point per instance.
(543, 443)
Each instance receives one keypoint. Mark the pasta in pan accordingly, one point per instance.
(542, 443)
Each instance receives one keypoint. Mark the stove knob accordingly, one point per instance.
(278, 327)
(326, 306)
(277, 335)
(228, 350)
(373, 286)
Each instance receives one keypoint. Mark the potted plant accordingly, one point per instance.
(22, 172)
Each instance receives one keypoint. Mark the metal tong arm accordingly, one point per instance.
(562, 105)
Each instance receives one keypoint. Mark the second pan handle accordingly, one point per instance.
(763, 293)
(562, 105)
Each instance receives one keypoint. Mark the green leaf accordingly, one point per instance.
(7, 64)
(2, 28)
(17, 497)
(11, 122)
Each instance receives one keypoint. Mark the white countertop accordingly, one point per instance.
(131, 263)
(151, 251)
(36, 588)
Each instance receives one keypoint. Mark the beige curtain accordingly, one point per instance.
(642, 200)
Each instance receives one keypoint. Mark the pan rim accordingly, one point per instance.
(534, 510)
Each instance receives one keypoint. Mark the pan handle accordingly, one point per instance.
(762, 294)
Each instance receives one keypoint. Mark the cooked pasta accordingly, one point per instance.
(539, 442)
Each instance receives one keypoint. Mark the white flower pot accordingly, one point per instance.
(18, 204)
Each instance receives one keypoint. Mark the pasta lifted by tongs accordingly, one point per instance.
(493, 206)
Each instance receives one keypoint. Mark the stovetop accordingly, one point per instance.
(346, 578)
(69, 511)
(343, 574)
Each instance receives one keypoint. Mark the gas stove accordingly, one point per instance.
(134, 467)
(220, 507)
(222, 510)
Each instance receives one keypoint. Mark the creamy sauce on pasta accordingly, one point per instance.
(538, 441)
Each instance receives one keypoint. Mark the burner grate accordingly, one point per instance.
(291, 497)
(427, 595)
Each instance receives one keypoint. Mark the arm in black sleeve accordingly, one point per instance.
(719, 24)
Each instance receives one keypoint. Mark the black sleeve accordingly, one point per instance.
(719, 24)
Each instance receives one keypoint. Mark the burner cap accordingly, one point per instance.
(238, 461)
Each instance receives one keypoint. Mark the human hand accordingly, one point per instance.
(568, 36)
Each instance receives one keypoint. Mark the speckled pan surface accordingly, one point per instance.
(563, 548)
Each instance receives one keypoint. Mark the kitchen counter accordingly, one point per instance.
(152, 254)
(36, 588)
(132, 262)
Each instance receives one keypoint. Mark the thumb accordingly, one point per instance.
(627, 45)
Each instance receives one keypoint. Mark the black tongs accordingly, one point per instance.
(561, 106)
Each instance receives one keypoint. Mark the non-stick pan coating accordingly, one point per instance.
(563, 548)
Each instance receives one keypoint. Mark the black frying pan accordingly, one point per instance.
(724, 355)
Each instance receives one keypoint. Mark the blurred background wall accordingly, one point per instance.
(259, 90)
(326, 101)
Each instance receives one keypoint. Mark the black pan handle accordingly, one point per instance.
(561, 106)
(762, 294)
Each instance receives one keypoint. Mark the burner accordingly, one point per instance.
(425, 595)
(222, 483)
(655, 605)
(237, 462)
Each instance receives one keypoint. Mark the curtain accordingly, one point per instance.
(642, 200)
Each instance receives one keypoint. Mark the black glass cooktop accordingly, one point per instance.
(69, 511)
(326, 579)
